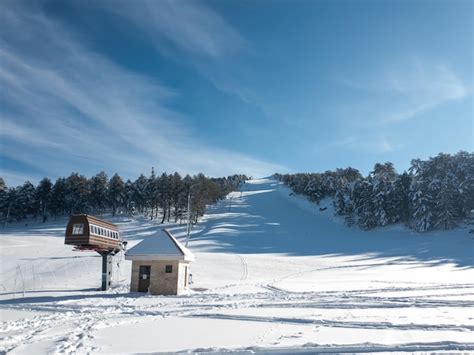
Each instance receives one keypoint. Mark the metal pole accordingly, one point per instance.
(188, 229)
(106, 269)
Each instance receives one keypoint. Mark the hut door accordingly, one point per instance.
(143, 278)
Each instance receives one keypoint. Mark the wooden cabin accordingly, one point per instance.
(88, 232)
(160, 265)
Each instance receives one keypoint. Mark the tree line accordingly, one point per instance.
(164, 196)
(437, 193)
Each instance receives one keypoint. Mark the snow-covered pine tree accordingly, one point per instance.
(398, 200)
(3, 200)
(164, 195)
(26, 205)
(77, 194)
(98, 187)
(364, 204)
(58, 198)
(128, 195)
(178, 193)
(152, 193)
(116, 193)
(44, 196)
(140, 193)
(313, 189)
(421, 206)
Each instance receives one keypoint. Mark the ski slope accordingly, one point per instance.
(273, 274)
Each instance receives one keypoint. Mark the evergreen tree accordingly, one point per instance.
(140, 193)
(3, 199)
(44, 194)
(364, 207)
(77, 194)
(116, 193)
(178, 195)
(25, 201)
(58, 198)
(98, 187)
(128, 197)
(398, 207)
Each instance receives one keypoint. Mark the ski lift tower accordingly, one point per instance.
(88, 233)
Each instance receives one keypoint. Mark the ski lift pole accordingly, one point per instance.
(188, 227)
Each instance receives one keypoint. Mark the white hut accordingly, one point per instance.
(160, 265)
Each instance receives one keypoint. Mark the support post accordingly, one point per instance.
(107, 257)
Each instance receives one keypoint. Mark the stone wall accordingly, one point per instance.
(161, 283)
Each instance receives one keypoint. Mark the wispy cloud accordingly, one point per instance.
(186, 26)
(192, 33)
(369, 143)
(425, 87)
(84, 110)
(403, 91)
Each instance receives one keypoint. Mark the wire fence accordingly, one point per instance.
(60, 274)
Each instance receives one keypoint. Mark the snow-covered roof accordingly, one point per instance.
(159, 246)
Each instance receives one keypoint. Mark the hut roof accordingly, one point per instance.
(96, 220)
(160, 246)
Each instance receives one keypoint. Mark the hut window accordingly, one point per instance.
(169, 269)
(78, 228)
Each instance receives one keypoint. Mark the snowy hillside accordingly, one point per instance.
(272, 273)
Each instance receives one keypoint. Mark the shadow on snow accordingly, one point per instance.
(265, 219)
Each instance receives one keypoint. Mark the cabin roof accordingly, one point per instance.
(160, 246)
(96, 220)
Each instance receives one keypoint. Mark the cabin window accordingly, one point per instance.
(169, 269)
(78, 228)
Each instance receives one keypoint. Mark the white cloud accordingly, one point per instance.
(188, 26)
(423, 87)
(81, 108)
(401, 92)
(370, 143)
(192, 33)
(384, 144)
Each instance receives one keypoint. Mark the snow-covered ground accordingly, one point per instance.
(272, 274)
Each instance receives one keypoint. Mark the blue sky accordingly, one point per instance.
(226, 87)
